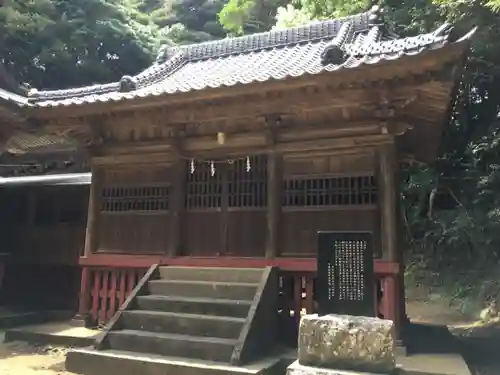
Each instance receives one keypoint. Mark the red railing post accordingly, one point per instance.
(83, 303)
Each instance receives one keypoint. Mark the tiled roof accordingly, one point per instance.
(32, 143)
(47, 180)
(276, 55)
(12, 98)
(10, 91)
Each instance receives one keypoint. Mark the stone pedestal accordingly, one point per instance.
(297, 369)
(350, 343)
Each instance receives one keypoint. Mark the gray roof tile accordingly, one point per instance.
(22, 143)
(276, 55)
(12, 98)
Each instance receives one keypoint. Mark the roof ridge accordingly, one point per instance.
(316, 30)
(320, 46)
(169, 58)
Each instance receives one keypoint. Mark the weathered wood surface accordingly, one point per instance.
(347, 343)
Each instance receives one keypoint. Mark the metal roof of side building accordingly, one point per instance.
(47, 180)
(324, 46)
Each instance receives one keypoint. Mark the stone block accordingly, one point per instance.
(297, 369)
(344, 342)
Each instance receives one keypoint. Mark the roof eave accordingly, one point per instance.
(47, 180)
(441, 55)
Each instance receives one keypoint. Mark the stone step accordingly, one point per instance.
(217, 274)
(188, 324)
(203, 289)
(94, 362)
(205, 306)
(169, 344)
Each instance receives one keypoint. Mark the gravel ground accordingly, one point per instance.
(480, 345)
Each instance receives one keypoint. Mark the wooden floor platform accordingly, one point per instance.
(14, 317)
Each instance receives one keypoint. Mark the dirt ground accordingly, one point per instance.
(18, 358)
(480, 344)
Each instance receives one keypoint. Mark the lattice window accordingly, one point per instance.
(349, 263)
(307, 192)
(204, 185)
(135, 198)
(239, 183)
(247, 182)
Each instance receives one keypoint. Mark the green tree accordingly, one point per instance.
(60, 43)
(249, 16)
(193, 21)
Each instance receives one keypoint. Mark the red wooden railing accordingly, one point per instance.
(104, 289)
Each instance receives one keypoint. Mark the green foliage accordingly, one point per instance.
(333, 8)
(249, 16)
(199, 19)
(494, 5)
(462, 243)
(59, 43)
(66, 43)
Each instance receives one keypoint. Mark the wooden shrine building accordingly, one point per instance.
(237, 152)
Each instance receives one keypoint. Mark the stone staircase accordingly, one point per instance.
(189, 320)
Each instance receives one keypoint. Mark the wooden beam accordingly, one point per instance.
(306, 265)
(250, 144)
(274, 193)
(137, 160)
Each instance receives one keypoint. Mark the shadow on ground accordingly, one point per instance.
(480, 347)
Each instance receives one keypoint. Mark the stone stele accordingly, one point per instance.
(344, 342)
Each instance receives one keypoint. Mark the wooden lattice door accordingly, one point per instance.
(226, 207)
(203, 217)
(346, 280)
(246, 211)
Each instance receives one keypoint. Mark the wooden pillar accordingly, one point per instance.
(91, 232)
(387, 202)
(400, 243)
(274, 189)
(32, 198)
(389, 215)
(84, 298)
(177, 207)
(91, 240)
(224, 212)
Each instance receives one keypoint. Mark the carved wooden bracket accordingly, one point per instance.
(273, 123)
(386, 107)
(83, 134)
(396, 128)
(176, 136)
(411, 160)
